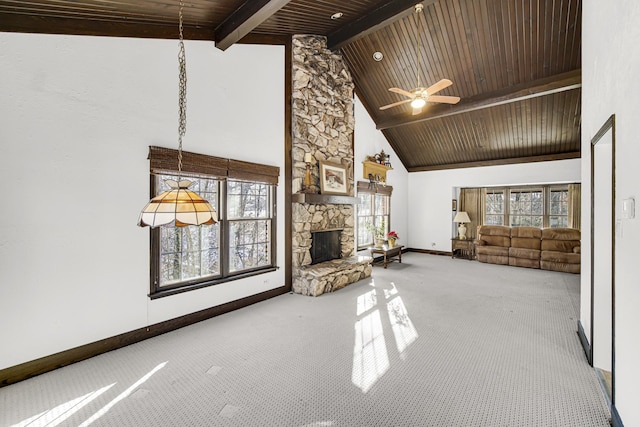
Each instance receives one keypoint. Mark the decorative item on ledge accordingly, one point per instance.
(375, 168)
(461, 218)
(306, 185)
(333, 178)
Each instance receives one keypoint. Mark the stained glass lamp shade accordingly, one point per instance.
(178, 206)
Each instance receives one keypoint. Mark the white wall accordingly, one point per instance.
(430, 194)
(611, 64)
(369, 141)
(78, 115)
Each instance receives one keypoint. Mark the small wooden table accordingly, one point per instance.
(462, 248)
(388, 253)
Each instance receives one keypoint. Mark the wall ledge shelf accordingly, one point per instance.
(321, 199)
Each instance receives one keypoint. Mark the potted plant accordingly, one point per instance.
(378, 232)
(392, 236)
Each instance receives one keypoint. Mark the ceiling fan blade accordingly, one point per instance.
(401, 91)
(437, 87)
(444, 99)
(395, 104)
(416, 111)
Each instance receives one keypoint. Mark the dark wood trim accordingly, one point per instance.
(585, 343)
(324, 199)
(266, 39)
(616, 421)
(428, 251)
(18, 23)
(384, 14)
(498, 162)
(288, 162)
(610, 123)
(546, 86)
(30, 369)
(244, 19)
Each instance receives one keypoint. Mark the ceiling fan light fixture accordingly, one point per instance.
(418, 103)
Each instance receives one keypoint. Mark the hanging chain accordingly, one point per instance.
(182, 93)
(418, 8)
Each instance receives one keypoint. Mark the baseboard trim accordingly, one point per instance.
(429, 251)
(39, 366)
(585, 343)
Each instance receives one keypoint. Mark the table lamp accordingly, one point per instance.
(461, 218)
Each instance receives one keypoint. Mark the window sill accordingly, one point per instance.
(168, 292)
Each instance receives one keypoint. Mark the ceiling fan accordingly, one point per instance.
(420, 95)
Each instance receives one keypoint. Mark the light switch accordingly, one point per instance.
(629, 208)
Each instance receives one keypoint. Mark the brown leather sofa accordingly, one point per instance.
(492, 244)
(560, 250)
(555, 249)
(525, 247)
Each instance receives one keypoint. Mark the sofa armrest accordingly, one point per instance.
(576, 249)
(479, 242)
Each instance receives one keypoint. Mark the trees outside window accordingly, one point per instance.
(535, 206)
(241, 244)
(373, 211)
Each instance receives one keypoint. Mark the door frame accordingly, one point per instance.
(610, 124)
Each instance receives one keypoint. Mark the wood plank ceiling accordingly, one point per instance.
(514, 63)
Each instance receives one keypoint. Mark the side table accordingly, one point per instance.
(388, 253)
(462, 248)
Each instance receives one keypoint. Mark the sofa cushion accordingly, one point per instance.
(493, 259)
(560, 234)
(493, 250)
(494, 230)
(560, 245)
(560, 266)
(502, 241)
(526, 232)
(527, 243)
(524, 262)
(524, 253)
(560, 257)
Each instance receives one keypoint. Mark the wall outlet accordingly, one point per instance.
(266, 281)
(433, 244)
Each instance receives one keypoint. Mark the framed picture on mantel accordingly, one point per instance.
(333, 178)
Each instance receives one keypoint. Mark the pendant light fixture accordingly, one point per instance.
(179, 206)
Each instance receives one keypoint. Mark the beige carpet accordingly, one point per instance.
(429, 342)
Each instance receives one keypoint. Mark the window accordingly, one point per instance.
(373, 209)
(526, 208)
(536, 206)
(241, 244)
(494, 214)
(249, 216)
(558, 208)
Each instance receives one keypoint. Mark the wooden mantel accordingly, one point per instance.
(321, 199)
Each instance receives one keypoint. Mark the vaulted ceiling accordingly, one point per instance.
(514, 63)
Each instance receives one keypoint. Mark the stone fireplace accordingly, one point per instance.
(322, 125)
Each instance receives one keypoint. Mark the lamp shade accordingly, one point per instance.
(461, 217)
(178, 206)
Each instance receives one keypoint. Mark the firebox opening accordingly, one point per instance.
(325, 245)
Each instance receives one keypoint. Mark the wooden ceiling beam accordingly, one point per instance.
(497, 162)
(383, 15)
(244, 19)
(545, 86)
(44, 24)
